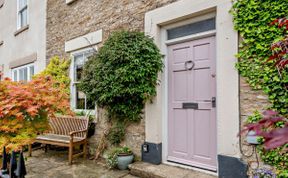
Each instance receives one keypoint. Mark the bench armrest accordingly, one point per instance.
(75, 132)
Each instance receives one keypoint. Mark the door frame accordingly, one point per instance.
(227, 76)
(164, 49)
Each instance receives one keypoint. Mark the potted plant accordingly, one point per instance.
(252, 138)
(120, 157)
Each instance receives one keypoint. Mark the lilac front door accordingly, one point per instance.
(192, 102)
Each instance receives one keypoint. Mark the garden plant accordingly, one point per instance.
(25, 108)
(121, 78)
(263, 62)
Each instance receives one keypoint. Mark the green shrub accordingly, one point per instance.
(123, 75)
(117, 133)
(59, 70)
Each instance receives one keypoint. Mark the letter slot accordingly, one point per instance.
(190, 105)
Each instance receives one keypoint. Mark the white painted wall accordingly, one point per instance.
(26, 43)
(227, 75)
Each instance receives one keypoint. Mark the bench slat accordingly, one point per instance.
(57, 138)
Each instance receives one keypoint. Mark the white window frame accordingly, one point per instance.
(74, 83)
(17, 69)
(19, 10)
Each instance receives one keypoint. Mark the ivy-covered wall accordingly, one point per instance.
(262, 85)
(252, 18)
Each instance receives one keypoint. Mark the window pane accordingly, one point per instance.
(23, 17)
(82, 102)
(15, 78)
(21, 74)
(191, 29)
(80, 99)
(78, 67)
(22, 3)
(31, 72)
(25, 74)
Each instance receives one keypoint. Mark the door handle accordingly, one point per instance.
(187, 67)
(213, 101)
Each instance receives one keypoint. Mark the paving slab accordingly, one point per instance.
(54, 164)
(146, 170)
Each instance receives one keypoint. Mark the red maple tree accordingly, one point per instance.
(25, 108)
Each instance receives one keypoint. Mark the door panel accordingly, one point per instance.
(181, 147)
(192, 130)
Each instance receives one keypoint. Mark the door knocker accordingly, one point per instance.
(189, 65)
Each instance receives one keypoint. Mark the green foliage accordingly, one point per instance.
(252, 19)
(276, 157)
(117, 133)
(255, 117)
(59, 70)
(111, 160)
(25, 107)
(283, 174)
(123, 75)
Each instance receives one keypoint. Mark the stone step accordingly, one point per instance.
(146, 170)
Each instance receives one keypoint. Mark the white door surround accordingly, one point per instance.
(226, 75)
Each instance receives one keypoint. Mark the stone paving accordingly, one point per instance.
(146, 170)
(54, 164)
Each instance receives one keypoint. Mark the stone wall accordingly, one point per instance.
(250, 101)
(66, 22)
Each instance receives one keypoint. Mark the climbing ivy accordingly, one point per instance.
(252, 18)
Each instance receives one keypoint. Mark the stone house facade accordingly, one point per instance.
(78, 28)
(22, 38)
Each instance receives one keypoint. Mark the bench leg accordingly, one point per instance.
(46, 148)
(85, 150)
(30, 150)
(70, 154)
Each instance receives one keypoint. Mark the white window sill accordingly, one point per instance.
(22, 29)
(69, 1)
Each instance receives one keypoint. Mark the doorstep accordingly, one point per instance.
(147, 170)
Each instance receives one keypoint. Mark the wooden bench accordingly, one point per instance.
(66, 131)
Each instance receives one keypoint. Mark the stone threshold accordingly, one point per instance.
(146, 170)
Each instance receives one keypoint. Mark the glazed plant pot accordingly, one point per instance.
(124, 160)
(251, 138)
